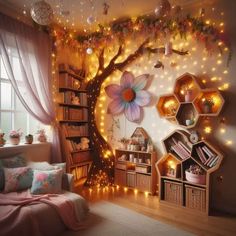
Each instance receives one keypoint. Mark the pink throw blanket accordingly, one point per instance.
(16, 218)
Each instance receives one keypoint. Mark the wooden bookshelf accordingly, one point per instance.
(189, 102)
(174, 187)
(74, 123)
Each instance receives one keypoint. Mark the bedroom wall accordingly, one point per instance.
(214, 71)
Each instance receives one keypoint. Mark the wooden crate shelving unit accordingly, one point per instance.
(173, 186)
(74, 126)
(175, 108)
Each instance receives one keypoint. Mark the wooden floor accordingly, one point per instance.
(218, 224)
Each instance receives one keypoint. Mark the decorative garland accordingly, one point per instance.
(146, 25)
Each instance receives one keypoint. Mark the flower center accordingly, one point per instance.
(128, 95)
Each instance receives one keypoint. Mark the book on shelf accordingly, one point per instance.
(213, 162)
(67, 113)
(76, 130)
(208, 151)
(180, 151)
(201, 154)
(184, 146)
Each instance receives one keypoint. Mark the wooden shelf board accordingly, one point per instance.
(84, 150)
(124, 150)
(80, 164)
(193, 184)
(78, 77)
(72, 105)
(171, 178)
(134, 163)
(74, 121)
(76, 136)
(64, 89)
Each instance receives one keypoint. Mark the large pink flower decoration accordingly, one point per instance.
(129, 96)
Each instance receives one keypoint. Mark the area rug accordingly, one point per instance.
(107, 219)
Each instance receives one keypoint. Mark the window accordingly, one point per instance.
(12, 113)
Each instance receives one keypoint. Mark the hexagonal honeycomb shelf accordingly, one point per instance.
(186, 87)
(187, 116)
(209, 102)
(189, 102)
(167, 106)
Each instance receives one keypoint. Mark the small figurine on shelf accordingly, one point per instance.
(134, 145)
(2, 140)
(84, 144)
(188, 95)
(150, 146)
(42, 137)
(29, 139)
(207, 105)
(75, 99)
(15, 136)
(123, 143)
(190, 121)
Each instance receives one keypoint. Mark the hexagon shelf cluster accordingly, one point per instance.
(176, 184)
(189, 102)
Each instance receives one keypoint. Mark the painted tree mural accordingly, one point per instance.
(102, 171)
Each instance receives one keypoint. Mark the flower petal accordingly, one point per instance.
(142, 98)
(140, 82)
(127, 79)
(115, 107)
(132, 112)
(113, 90)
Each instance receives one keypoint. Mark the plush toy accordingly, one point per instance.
(84, 144)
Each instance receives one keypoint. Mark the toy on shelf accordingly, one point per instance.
(84, 144)
(2, 140)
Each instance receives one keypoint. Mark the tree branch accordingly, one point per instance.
(119, 52)
(162, 50)
(101, 61)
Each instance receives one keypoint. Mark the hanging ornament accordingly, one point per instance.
(163, 9)
(202, 12)
(89, 51)
(158, 65)
(90, 20)
(41, 12)
(168, 49)
(105, 8)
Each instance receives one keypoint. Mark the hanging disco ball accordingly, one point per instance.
(41, 12)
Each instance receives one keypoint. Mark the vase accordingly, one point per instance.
(188, 96)
(29, 139)
(14, 141)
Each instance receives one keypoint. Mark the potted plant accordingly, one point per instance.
(195, 174)
(42, 138)
(29, 139)
(207, 105)
(2, 140)
(15, 136)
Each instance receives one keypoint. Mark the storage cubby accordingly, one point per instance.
(189, 189)
(206, 155)
(186, 88)
(170, 166)
(187, 115)
(209, 102)
(167, 106)
(178, 144)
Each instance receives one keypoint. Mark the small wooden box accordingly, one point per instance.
(143, 182)
(131, 179)
(195, 198)
(173, 192)
(120, 177)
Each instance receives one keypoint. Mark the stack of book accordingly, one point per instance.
(66, 113)
(206, 156)
(83, 99)
(75, 130)
(181, 149)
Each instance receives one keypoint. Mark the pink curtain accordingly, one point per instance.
(33, 85)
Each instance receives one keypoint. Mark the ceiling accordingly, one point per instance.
(74, 13)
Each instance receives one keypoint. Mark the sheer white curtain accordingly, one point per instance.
(33, 85)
